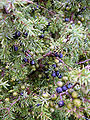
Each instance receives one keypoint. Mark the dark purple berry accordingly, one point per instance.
(60, 76)
(49, 24)
(25, 59)
(47, 77)
(84, 8)
(46, 63)
(60, 55)
(21, 93)
(38, 104)
(66, 19)
(15, 48)
(56, 54)
(37, 6)
(69, 85)
(17, 34)
(41, 36)
(30, 106)
(64, 88)
(59, 90)
(32, 62)
(54, 74)
(61, 103)
(25, 34)
(57, 73)
(54, 65)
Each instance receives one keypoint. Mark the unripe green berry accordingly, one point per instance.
(74, 94)
(56, 69)
(65, 78)
(54, 97)
(79, 22)
(15, 94)
(51, 109)
(22, 87)
(56, 61)
(59, 83)
(45, 95)
(7, 99)
(69, 106)
(77, 102)
(7, 67)
(82, 19)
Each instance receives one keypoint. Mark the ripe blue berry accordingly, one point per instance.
(60, 77)
(84, 8)
(32, 62)
(15, 48)
(64, 88)
(41, 36)
(47, 77)
(37, 6)
(57, 73)
(54, 74)
(46, 63)
(38, 104)
(25, 34)
(61, 103)
(54, 65)
(30, 106)
(59, 90)
(69, 85)
(17, 34)
(60, 55)
(25, 59)
(21, 93)
(66, 19)
(56, 54)
(49, 24)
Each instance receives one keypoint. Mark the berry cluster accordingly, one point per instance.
(34, 73)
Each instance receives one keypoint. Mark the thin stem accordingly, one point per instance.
(64, 64)
(84, 61)
(15, 101)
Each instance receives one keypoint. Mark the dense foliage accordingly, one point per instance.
(44, 60)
